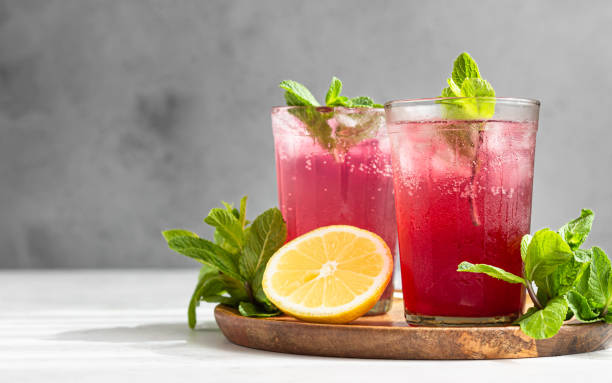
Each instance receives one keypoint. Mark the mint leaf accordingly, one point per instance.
(466, 81)
(583, 255)
(464, 67)
(207, 271)
(258, 292)
(242, 213)
(477, 87)
(205, 287)
(547, 322)
(599, 291)
(297, 94)
(340, 101)
(361, 102)
(477, 107)
(562, 280)
(491, 271)
(248, 309)
(524, 245)
(546, 251)
(454, 88)
(581, 308)
(227, 225)
(173, 233)
(335, 88)
(530, 312)
(576, 231)
(448, 92)
(266, 235)
(315, 122)
(206, 252)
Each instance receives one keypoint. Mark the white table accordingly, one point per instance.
(130, 326)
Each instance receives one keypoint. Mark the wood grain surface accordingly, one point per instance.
(390, 337)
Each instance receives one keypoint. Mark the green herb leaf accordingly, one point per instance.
(524, 245)
(464, 67)
(207, 271)
(576, 231)
(258, 292)
(530, 312)
(267, 234)
(546, 251)
(206, 252)
(248, 309)
(335, 88)
(315, 122)
(170, 234)
(583, 255)
(242, 215)
(204, 287)
(455, 89)
(478, 107)
(361, 102)
(562, 280)
(599, 291)
(228, 225)
(466, 81)
(297, 94)
(491, 271)
(547, 322)
(340, 101)
(581, 308)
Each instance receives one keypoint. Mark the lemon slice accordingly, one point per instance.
(333, 274)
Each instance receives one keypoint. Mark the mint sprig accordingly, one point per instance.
(316, 119)
(466, 138)
(570, 281)
(465, 81)
(297, 94)
(232, 264)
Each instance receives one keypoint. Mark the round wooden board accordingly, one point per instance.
(390, 337)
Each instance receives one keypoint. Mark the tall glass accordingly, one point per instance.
(462, 193)
(333, 167)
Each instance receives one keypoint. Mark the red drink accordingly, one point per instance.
(463, 193)
(345, 182)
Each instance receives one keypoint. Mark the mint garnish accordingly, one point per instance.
(232, 265)
(297, 94)
(465, 81)
(570, 281)
(316, 119)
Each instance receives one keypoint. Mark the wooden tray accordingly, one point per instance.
(390, 337)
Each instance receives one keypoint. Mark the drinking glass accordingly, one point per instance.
(333, 167)
(462, 193)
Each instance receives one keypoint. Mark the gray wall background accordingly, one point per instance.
(120, 118)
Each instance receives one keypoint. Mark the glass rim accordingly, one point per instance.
(334, 108)
(431, 100)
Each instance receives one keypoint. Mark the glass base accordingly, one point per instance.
(433, 320)
(381, 307)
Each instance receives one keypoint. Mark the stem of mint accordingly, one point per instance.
(475, 166)
(532, 294)
(475, 104)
